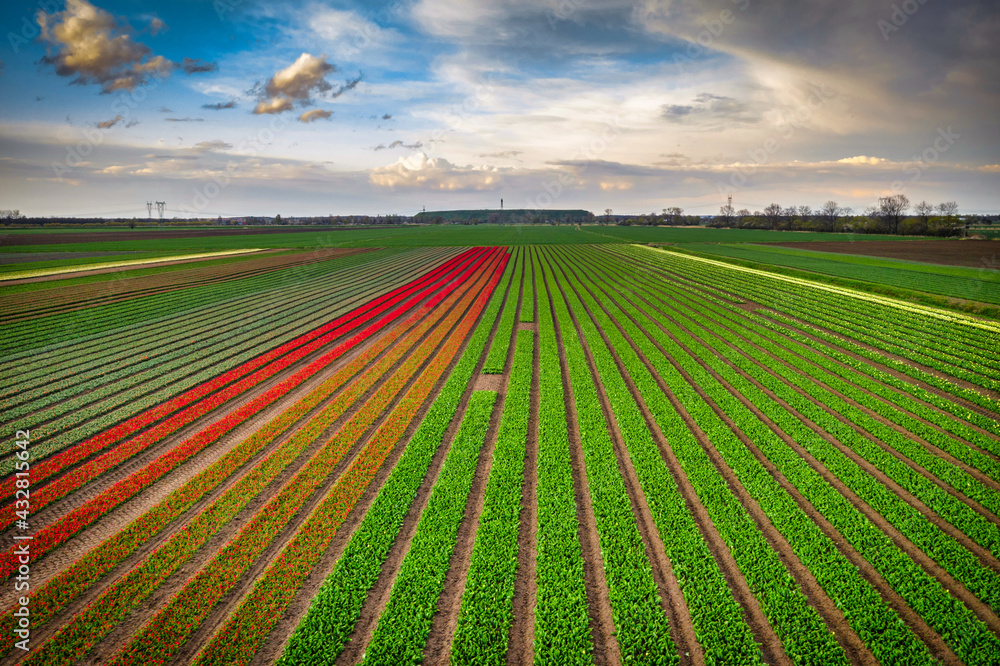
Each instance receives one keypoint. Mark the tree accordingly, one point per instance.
(830, 213)
(948, 208)
(923, 211)
(891, 210)
(773, 215)
(676, 214)
(788, 216)
(726, 215)
(277, 219)
(607, 215)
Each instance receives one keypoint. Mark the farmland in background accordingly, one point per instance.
(523, 445)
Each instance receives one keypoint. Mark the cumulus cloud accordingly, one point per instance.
(314, 114)
(218, 106)
(295, 83)
(87, 43)
(106, 124)
(437, 173)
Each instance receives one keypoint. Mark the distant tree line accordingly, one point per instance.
(889, 216)
(670, 217)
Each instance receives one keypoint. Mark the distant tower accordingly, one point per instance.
(160, 205)
(729, 202)
(149, 209)
(501, 204)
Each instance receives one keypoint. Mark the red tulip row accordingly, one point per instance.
(169, 629)
(107, 610)
(306, 344)
(249, 625)
(61, 530)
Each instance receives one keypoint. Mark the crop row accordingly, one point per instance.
(955, 622)
(252, 621)
(562, 630)
(713, 608)
(641, 626)
(59, 592)
(869, 616)
(784, 302)
(829, 311)
(496, 360)
(58, 532)
(180, 355)
(486, 612)
(89, 357)
(60, 328)
(528, 292)
(404, 625)
(192, 604)
(82, 475)
(323, 632)
(917, 528)
(63, 298)
(210, 378)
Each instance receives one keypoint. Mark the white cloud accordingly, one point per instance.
(437, 173)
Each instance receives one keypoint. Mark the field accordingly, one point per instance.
(552, 447)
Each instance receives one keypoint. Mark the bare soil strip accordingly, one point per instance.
(520, 648)
(602, 629)
(983, 254)
(438, 647)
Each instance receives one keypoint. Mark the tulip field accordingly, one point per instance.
(550, 454)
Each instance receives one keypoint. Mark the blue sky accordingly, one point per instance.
(233, 107)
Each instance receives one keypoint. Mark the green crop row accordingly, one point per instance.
(796, 623)
(641, 627)
(528, 292)
(562, 630)
(496, 360)
(956, 623)
(887, 637)
(404, 625)
(487, 611)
